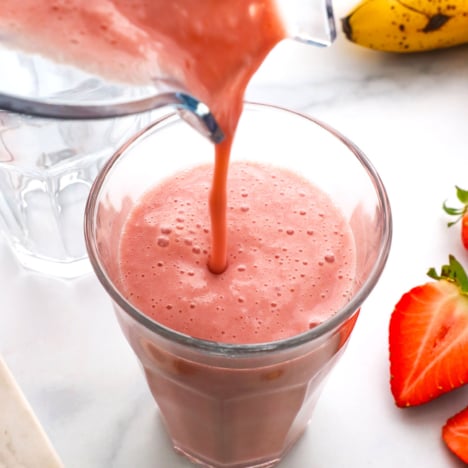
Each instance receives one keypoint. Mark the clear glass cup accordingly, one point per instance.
(46, 170)
(236, 406)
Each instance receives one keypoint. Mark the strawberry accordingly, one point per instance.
(461, 213)
(428, 338)
(455, 434)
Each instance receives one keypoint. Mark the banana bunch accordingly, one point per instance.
(407, 25)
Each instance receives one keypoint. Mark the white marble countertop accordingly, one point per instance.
(410, 116)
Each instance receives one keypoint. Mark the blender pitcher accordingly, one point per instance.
(59, 124)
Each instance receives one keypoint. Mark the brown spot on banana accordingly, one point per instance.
(435, 22)
(408, 25)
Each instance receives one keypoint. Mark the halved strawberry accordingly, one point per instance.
(455, 434)
(428, 338)
(461, 213)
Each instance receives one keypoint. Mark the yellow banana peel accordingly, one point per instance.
(408, 25)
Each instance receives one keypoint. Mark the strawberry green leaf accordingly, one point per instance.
(462, 195)
(453, 272)
(452, 211)
(451, 223)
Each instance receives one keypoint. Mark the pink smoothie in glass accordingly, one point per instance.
(291, 265)
(290, 256)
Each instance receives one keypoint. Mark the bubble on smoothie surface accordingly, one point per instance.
(287, 270)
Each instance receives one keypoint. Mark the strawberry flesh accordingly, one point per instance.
(428, 338)
(464, 231)
(455, 434)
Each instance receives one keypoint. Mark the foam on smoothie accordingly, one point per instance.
(290, 257)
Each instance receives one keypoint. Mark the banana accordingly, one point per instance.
(407, 25)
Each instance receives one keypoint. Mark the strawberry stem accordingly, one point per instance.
(453, 272)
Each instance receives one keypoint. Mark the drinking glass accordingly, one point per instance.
(239, 405)
(49, 158)
(47, 167)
